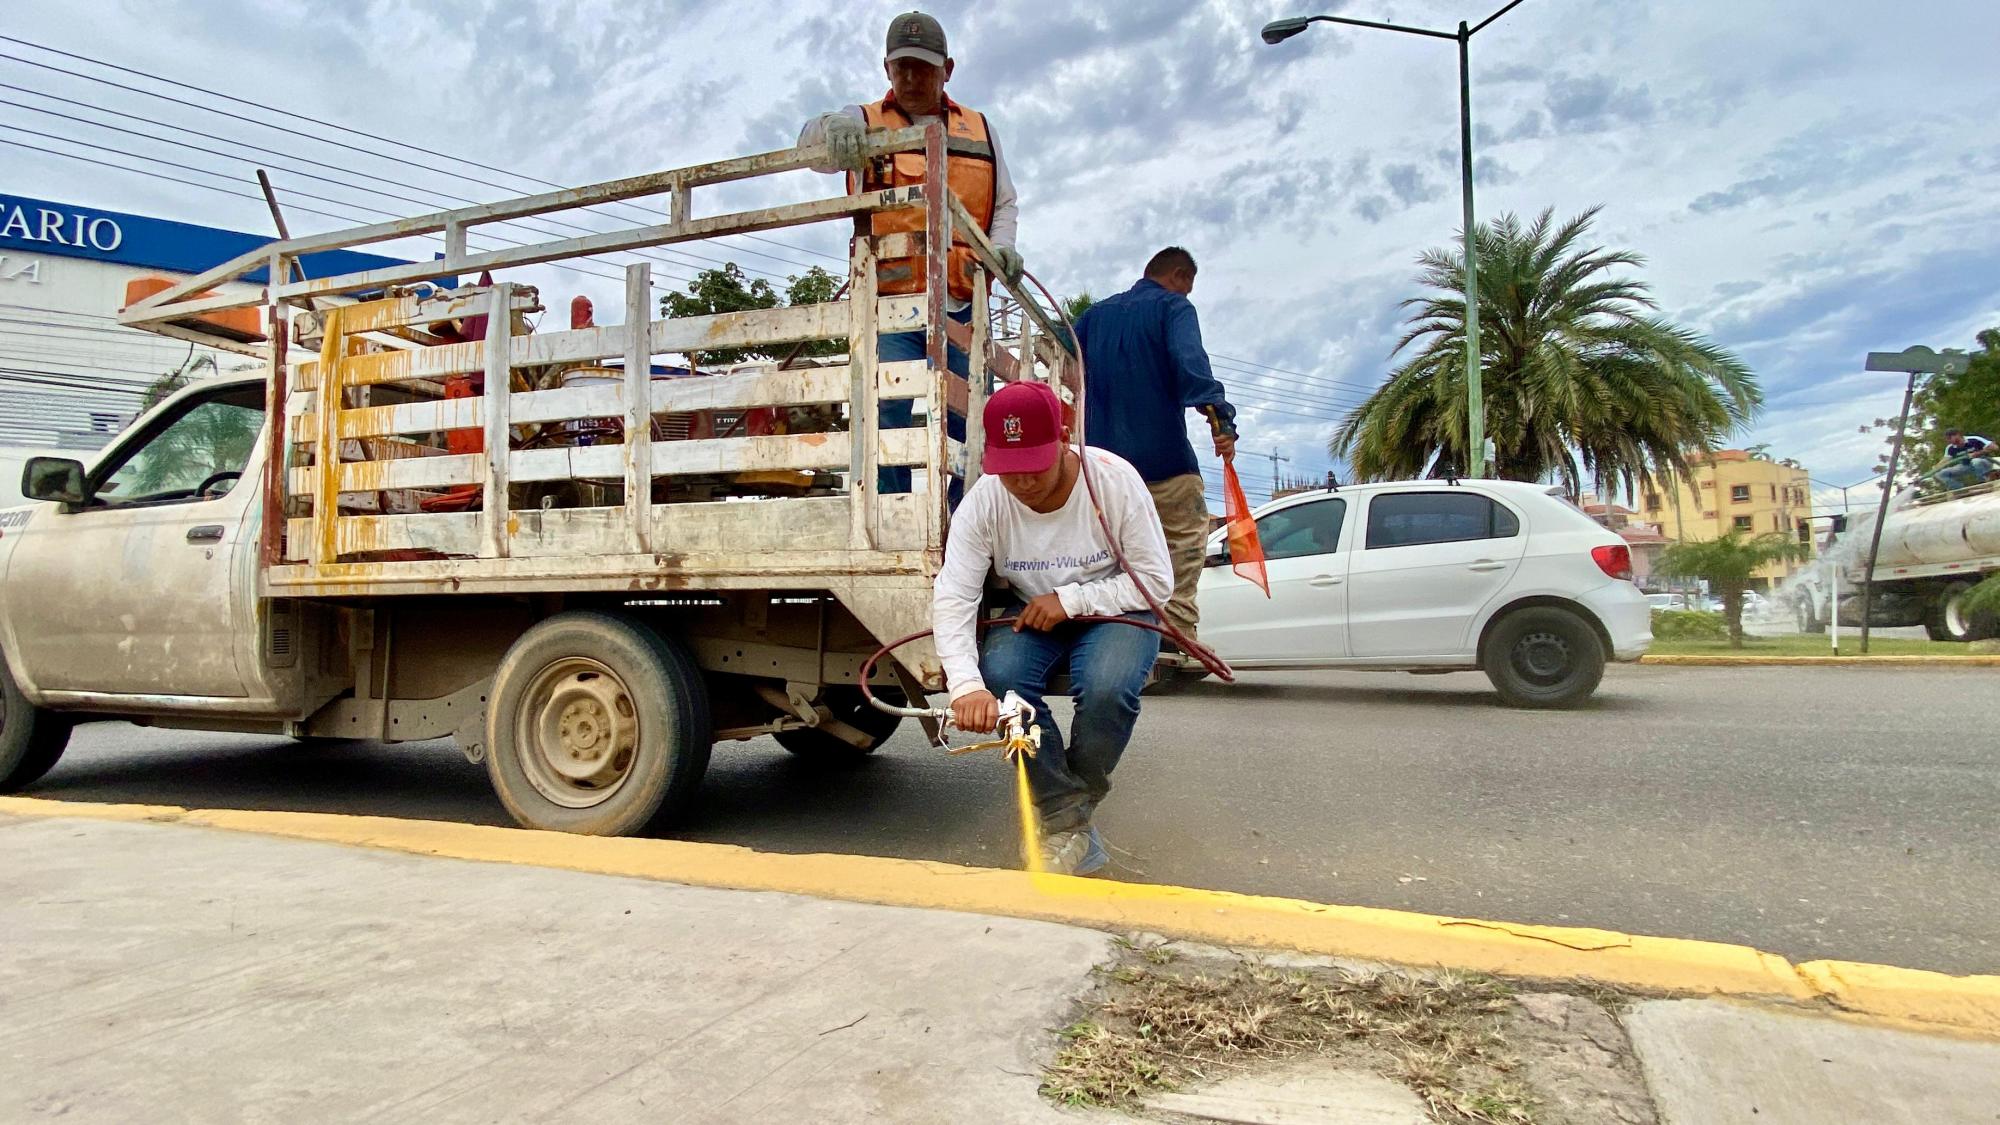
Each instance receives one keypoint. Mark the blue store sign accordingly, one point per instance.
(65, 229)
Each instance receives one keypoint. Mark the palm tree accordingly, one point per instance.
(1728, 564)
(1580, 379)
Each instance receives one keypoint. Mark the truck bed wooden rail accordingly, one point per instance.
(358, 422)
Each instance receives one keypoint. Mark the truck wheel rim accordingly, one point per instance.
(1955, 621)
(1542, 658)
(578, 732)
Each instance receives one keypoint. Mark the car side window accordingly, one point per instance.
(1304, 529)
(208, 442)
(1409, 519)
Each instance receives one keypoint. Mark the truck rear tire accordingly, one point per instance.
(32, 740)
(1543, 657)
(598, 725)
(811, 744)
(1947, 619)
(1809, 621)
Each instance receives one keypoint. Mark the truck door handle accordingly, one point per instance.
(1325, 580)
(1487, 564)
(206, 533)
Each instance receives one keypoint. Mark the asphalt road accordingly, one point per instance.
(1814, 812)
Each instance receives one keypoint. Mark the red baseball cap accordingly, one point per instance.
(1024, 428)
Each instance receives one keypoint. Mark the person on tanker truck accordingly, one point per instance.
(1145, 366)
(1030, 520)
(918, 64)
(1968, 459)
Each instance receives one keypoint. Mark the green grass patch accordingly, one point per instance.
(1806, 645)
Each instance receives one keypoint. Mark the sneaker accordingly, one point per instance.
(1095, 858)
(1062, 852)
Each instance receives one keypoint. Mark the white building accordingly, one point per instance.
(70, 375)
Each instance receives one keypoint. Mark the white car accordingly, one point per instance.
(1503, 577)
(1667, 601)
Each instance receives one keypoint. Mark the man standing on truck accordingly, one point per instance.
(1030, 520)
(918, 65)
(1145, 365)
(1968, 459)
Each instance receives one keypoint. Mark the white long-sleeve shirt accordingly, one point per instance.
(1063, 552)
(1006, 210)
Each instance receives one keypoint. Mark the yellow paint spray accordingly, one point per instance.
(1031, 826)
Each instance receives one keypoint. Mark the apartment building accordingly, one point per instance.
(1734, 491)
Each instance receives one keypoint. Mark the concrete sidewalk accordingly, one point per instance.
(159, 971)
(169, 973)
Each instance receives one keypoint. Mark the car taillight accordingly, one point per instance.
(1613, 559)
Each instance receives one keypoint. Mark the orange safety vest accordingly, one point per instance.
(970, 171)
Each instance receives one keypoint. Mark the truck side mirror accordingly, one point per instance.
(53, 478)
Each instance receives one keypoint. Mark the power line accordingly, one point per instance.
(1288, 371)
(1328, 385)
(619, 277)
(510, 189)
(432, 203)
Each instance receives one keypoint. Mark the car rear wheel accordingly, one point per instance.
(1543, 657)
(598, 725)
(32, 740)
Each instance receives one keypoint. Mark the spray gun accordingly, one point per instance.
(1019, 733)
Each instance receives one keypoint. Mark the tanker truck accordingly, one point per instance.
(1934, 550)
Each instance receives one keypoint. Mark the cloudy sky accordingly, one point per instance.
(1807, 179)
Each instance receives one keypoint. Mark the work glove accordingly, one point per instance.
(1010, 262)
(844, 140)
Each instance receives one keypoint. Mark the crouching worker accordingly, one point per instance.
(1029, 520)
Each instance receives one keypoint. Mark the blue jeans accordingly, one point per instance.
(897, 413)
(1107, 665)
(1965, 474)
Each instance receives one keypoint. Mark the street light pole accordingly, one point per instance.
(1915, 361)
(1277, 31)
(1475, 397)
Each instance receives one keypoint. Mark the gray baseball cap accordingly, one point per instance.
(914, 35)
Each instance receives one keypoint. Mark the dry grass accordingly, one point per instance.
(1158, 1028)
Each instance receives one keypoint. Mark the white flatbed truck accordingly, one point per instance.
(270, 552)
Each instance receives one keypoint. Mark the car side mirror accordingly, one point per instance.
(53, 478)
(1217, 557)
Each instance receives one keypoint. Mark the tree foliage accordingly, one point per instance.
(729, 289)
(1728, 563)
(206, 440)
(1580, 380)
(1968, 401)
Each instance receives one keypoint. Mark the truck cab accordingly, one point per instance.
(132, 584)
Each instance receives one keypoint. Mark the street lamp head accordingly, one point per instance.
(1277, 31)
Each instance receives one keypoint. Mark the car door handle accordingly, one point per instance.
(1325, 580)
(1487, 564)
(206, 533)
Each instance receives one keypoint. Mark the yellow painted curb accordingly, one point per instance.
(1719, 661)
(1220, 917)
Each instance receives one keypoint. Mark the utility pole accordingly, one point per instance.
(1275, 458)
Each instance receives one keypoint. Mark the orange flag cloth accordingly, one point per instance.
(1246, 551)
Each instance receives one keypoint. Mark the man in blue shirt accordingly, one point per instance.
(1968, 459)
(1145, 366)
